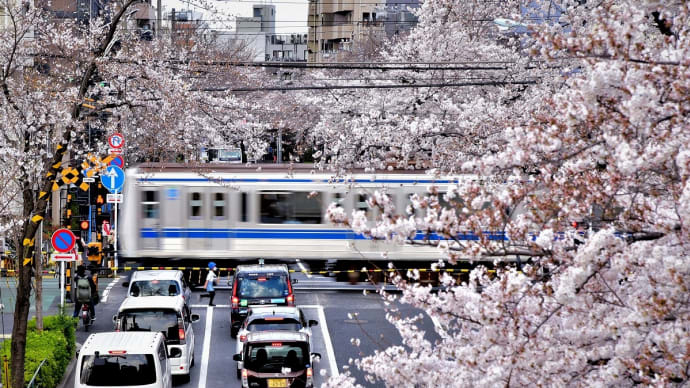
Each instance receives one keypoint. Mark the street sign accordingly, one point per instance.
(113, 178)
(116, 140)
(114, 150)
(114, 198)
(106, 227)
(63, 240)
(63, 257)
(118, 161)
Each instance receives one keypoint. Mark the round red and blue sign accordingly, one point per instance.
(63, 240)
(118, 161)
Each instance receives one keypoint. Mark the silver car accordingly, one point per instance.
(277, 359)
(281, 318)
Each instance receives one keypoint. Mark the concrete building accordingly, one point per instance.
(257, 35)
(398, 16)
(335, 25)
(286, 47)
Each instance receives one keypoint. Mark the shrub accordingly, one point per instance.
(56, 344)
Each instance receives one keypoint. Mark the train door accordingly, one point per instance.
(172, 221)
(219, 220)
(150, 218)
(197, 211)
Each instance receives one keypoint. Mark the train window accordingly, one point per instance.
(244, 211)
(339, 199)
(219, 205)
(361, 205)
(150, 203)
(195, 203)
(290, 208)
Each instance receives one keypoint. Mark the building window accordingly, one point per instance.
(150, 203)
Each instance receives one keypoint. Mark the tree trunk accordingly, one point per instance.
(34, 209)
(39, 282)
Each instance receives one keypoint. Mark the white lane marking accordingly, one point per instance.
(303, 268)
(106, 292)
(200, 306)
(206, 350)
(437, 324)
(326, 338)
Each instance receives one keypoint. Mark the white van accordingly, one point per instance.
(158, 282)
(167, 315)
(123, 360)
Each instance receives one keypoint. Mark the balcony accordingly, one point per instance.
(332, 6)
(335, 32)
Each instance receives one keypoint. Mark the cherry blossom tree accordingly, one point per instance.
(607, 147)
(59, 79)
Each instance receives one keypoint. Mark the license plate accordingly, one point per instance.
(277, 383)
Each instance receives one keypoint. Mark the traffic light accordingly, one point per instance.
(94, 252)
(84, 225)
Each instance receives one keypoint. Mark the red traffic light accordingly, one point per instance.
(84, 225)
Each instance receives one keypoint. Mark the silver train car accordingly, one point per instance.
(240, 212)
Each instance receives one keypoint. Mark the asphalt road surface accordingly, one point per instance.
(214, 347)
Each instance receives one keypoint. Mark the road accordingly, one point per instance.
(214, 347)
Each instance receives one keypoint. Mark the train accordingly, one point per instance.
(264, 211)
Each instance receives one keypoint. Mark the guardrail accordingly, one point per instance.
(33, 379)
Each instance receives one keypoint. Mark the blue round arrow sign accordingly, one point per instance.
(113, 178)
(63, 240)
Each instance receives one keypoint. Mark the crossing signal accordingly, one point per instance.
(84, 225)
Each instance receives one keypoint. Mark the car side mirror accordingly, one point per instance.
(195, 317)
(114, 318)
(293, 281)
(316, 357)
(175, 353)
(125, 284)
(237, 357)
(313, 322)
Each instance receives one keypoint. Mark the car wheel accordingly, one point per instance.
(233, 332)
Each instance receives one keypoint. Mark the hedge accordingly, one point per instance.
(56, 344)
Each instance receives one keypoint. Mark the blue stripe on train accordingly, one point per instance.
(297, 234)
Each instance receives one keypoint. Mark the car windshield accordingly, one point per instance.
(161, 320)
(118, 370)
(263, 286)
(154, 287)
(272, 357)
(274, 324)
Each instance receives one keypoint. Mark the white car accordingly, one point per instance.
(277, 318)
(124, 360)
(158, 283)
(167, 315)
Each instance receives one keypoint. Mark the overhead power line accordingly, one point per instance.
(342, 87)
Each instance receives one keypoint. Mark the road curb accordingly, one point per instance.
(64, 382)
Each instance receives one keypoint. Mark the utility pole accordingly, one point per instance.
(172, 26)
(159, 22)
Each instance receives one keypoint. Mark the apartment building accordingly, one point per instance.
(335, 24)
